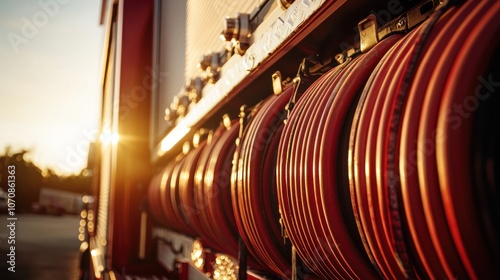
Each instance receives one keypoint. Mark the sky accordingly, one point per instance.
(50, 88)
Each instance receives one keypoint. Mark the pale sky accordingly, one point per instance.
(50, 68)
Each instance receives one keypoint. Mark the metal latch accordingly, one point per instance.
(277, 83)
(370, 34)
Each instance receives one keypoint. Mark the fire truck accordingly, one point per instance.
(306, 139)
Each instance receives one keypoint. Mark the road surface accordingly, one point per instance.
(46, 247)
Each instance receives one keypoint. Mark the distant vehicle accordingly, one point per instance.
(58, 202)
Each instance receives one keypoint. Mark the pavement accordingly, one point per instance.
(46, 247)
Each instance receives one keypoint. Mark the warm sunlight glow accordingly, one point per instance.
(197, 255)
(173, 138)
(50, 90)
(108, 137)
(225, 268)
(96, 261)
(84, 246)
